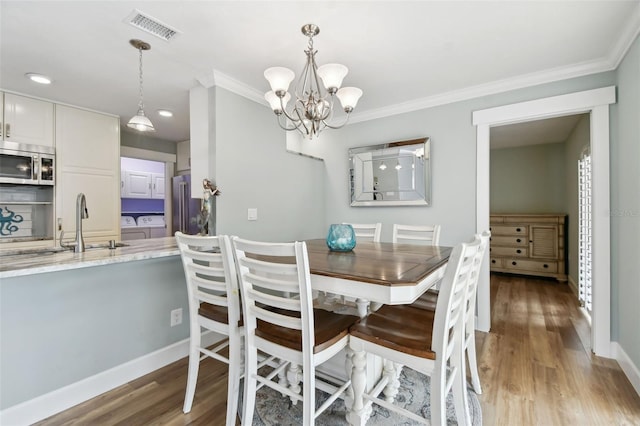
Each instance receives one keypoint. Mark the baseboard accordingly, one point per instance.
(46, 405)
(627, 365)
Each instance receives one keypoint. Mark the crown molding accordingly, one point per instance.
(499, 86)
(219, 79)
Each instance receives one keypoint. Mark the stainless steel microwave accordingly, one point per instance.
(27, 164)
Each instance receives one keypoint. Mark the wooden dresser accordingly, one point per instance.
(529, 244)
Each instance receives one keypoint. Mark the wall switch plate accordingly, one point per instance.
(176, 317)
(252, 214)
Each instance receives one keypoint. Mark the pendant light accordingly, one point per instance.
(140, 121)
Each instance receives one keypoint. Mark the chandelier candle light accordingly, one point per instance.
(140, 121)
(312, 110)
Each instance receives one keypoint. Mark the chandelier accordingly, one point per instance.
(312, 110)
(140, 121)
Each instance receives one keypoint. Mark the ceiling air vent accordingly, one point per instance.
(151, 25)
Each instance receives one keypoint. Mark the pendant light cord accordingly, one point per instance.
(141, 102)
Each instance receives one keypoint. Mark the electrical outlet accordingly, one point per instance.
(176, 317)
(252, 214)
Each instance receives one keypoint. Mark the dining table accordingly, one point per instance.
(372, 274)
(376, 272)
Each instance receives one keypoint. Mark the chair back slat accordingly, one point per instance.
(269, 299)
(367, 231)
(271, 281)
(275, 318)
(412, 234)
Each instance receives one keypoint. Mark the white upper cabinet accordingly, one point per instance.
(88, 156)
(137, 184)
(27, 120)
(157, 185)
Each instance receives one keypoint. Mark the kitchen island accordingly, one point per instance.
(74, 325)
(29, 264)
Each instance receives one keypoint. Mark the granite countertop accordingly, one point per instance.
(29, 264)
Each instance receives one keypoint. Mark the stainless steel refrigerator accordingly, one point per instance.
(186, 210)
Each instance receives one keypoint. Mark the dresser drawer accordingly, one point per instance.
(509, 229)
(531, 265)
(495, 262)
(509, 241)
(509, 251)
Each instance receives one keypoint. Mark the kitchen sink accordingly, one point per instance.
(54, 250)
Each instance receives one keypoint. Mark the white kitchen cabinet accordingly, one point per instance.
(137, 184)
(157, 185)
(143, 185)
(88, 156)
(26, 120)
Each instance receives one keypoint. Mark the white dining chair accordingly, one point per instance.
(280, 321)
(214, 304)
(416, 234)
(429, 299)
(429, 342)
(367, 231)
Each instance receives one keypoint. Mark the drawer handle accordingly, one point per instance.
(514, 263)
(518, 251)
(545, 265)
(493, 261)
(518, 230)
(518, 240)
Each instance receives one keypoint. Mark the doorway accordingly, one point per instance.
(595, 102)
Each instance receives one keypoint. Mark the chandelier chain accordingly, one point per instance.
(140, 102)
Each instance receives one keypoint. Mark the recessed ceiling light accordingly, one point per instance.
(38, 78)
(165, 113)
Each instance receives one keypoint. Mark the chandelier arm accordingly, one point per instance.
(346, 120)
(287, 115)
(284, 127)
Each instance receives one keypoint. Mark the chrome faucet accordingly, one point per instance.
(81, 213)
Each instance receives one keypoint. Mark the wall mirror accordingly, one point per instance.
(391, 174)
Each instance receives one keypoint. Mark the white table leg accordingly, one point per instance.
(359, 412)
(363, 307)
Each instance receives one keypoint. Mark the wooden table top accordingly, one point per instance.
(378, 263)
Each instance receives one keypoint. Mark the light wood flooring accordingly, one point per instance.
(535, 368)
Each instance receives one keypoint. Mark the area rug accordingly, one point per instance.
(274, 409)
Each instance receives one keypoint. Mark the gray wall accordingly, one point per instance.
(625, 206)
(253, 170)
(61, 327)
(146, 141)
(528, 179)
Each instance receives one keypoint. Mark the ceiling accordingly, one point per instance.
(403, 55)
(537, 132)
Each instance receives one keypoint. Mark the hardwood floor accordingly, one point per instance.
(535, 368)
